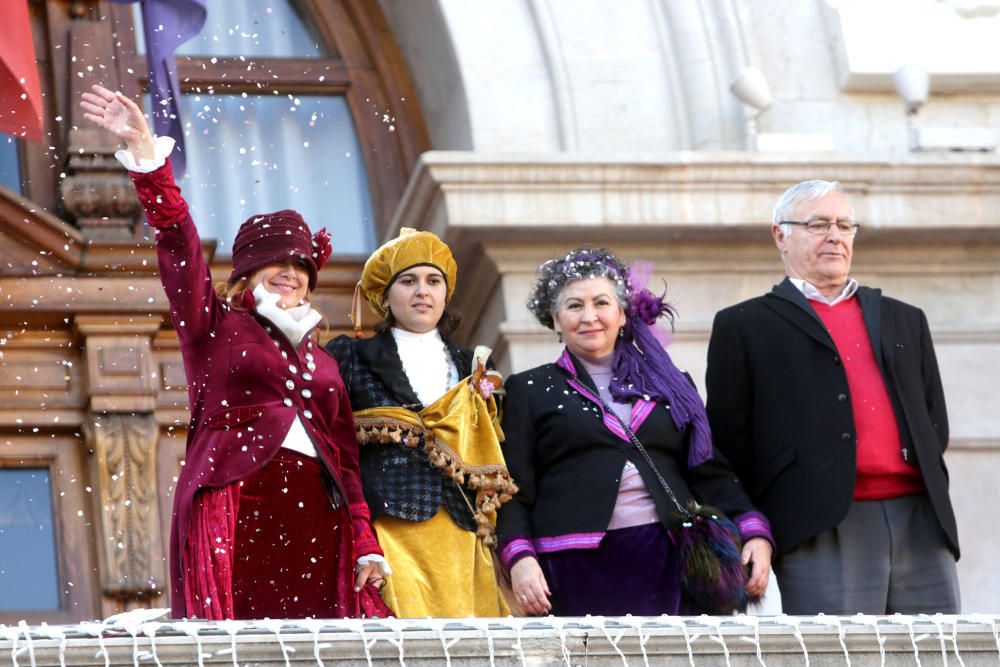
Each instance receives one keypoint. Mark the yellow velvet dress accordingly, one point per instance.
(438, 568)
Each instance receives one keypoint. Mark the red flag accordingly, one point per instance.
(20, 95)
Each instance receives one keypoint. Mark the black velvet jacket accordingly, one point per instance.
(398, 481)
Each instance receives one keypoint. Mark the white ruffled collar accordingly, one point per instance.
(295, 322)
(427, 363)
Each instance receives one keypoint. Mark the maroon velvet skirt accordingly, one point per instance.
(293, 551)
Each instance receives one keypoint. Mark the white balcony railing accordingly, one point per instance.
(138, 639)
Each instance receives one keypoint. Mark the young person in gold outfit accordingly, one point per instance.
(431, 466)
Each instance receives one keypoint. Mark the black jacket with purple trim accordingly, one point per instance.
(567, 457)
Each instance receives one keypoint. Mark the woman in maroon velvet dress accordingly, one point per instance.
(269, 518)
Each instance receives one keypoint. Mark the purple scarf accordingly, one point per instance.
(643, 369)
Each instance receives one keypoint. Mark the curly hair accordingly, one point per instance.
(580, 264)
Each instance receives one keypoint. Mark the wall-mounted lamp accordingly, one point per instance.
(750, 87)
(912, 83)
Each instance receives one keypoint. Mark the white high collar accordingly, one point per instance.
(402, 336)
(427, 363)
(295, 322)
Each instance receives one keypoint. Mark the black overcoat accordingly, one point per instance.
(780, 408)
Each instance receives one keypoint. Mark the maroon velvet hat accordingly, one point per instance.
(275, 238)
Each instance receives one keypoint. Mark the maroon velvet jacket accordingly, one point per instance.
(246, 382)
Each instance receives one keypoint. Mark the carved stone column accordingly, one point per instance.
(121, 435)
(97, 192)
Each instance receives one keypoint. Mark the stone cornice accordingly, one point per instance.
(692, 194)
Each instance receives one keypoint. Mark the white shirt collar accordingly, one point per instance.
(813, 294)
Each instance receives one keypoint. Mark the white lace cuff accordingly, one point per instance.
(383, 565)
(162, 147)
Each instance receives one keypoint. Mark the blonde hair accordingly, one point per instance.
(232, 292)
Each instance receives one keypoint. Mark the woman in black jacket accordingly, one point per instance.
(589, 530)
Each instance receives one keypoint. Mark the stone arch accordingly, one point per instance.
(547, 76)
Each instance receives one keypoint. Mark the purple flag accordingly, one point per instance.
(166, 25)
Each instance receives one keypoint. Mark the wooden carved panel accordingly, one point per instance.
(124, 465)
(21, 259)
(120, 360)
(170, 381)
(119, 363)
(101, 198)
(39, 379)
(97, 192)
(32, 375)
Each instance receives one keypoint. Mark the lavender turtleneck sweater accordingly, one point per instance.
(634, 506)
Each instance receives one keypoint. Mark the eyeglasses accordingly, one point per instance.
(822, 227)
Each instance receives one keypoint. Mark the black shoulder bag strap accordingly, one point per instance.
(683, 511)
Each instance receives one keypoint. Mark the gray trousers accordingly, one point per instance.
(885, 557)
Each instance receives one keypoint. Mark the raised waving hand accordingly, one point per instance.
(121, 116)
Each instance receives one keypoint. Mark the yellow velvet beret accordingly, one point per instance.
(411, 248)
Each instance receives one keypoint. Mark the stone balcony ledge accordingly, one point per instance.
(594, 641)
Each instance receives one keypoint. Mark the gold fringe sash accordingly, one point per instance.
(461, 437)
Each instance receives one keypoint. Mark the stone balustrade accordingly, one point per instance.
(137, 638)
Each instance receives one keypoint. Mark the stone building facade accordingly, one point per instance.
(514, 130)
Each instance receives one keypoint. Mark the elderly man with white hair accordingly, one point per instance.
(825, 397)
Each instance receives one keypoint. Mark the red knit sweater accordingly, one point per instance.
(882, 472)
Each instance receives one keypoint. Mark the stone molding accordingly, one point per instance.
(690, 195)
(959, 57)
